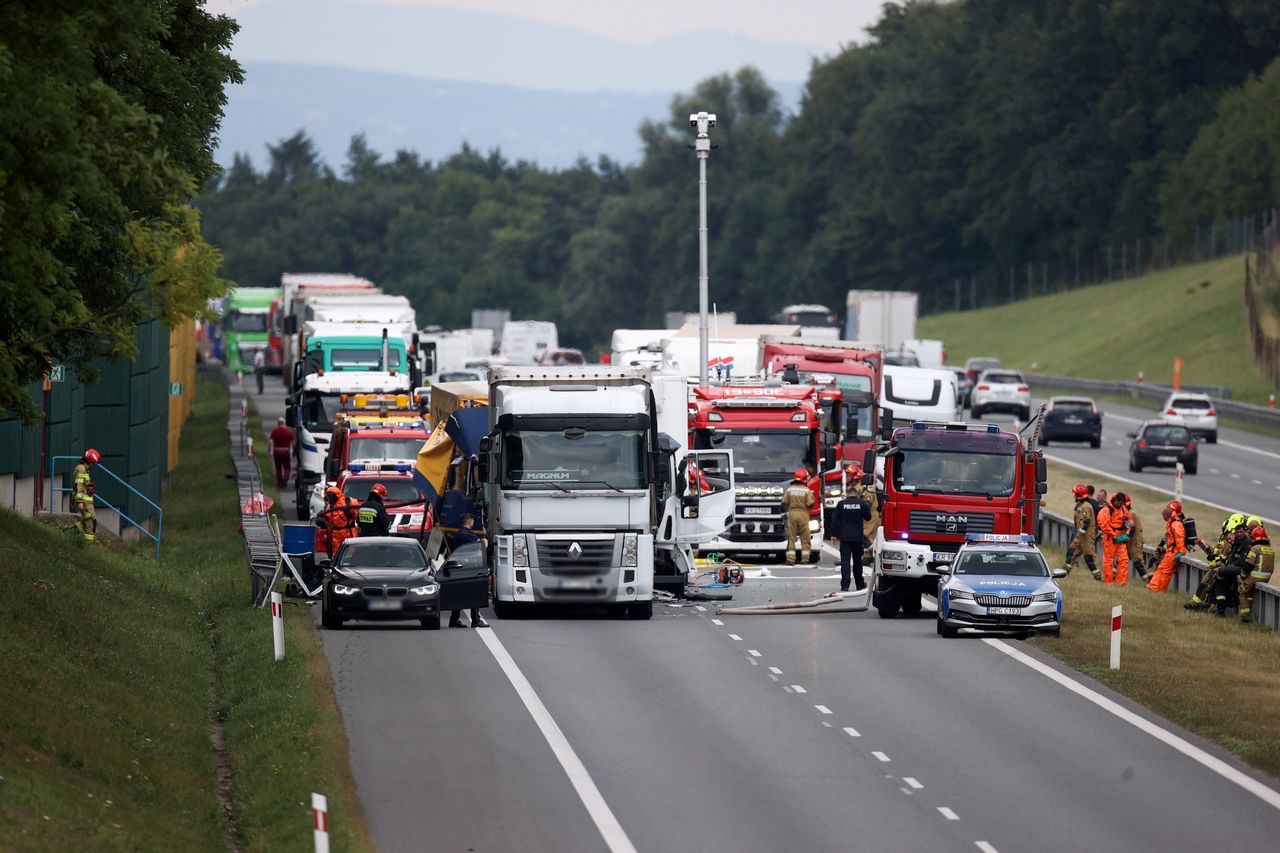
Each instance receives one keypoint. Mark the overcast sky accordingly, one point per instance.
(824, 24)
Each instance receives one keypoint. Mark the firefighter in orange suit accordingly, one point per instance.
(1175, 547)
(1115, 523)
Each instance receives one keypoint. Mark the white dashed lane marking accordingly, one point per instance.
(797, 688)
(823, 709)
(753, 653)
(775, 670)
(700, 608)
(912, 782)
(851, 731)
(880, 756)
(986, 847)
(948, 813)
(716, 622)
(735, 637)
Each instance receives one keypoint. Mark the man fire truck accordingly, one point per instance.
(941, 482)
(773, 430)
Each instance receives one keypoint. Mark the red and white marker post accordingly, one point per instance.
(277, 623)
(320, 822)
(1116, 613)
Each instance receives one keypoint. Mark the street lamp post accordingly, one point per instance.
(702, 121)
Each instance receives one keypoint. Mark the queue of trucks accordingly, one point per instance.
(603, 483)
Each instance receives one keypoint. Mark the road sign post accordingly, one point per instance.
(702, 122)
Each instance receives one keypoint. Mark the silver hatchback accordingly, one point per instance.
(1196, 412)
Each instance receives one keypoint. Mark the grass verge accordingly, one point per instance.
(106, 712)
(1205, 673)
(1114, 330)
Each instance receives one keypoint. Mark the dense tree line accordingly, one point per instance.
(960, 138)
(107, 115)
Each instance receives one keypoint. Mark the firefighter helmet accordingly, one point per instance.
(379, 490)
(1175, 507)
(1080, 490)
(92, 456)
(802, 474)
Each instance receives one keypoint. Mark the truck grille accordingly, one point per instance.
(954, 523)
(589, 553)
(1009, 601)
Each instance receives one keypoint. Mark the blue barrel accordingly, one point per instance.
(299, 537)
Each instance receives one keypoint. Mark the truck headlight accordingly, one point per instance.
(630, 550)
(893, 556)
(427, 589)
(415, 520)
(519, 550)
(814, 524)
(1045, 596)
(959, 595)
(834, 491)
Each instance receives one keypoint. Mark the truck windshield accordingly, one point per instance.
(362, 358)
(397, 447)
(946, 472)
(574, 458)
(766, 454)
(318, 411)
(398, 488)
(246, 321)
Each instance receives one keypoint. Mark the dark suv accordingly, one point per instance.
(1160, 444)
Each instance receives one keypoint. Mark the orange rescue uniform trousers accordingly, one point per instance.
(1113, 553)
(1175, 538)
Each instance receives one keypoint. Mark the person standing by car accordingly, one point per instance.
(797, 499)
(372, 518)
(849, 519)
(82, 495)
(338, 519)
(1085, 526)
(466, 535)
(259, 367)
(1175, 547)
(1114, 523)
(280, 443)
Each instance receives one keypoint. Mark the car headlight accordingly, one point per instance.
(894, 556)
(959, 595)
(630, 550)
(342, 589)
(814, 524)
(519, 550)
(426, 589)
(1045, 596)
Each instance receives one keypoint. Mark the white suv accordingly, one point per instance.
(1001, 391)
(1196, 412)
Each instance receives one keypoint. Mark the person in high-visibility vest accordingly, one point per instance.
(1086, 527)
(1175, 547)
(82, 495)
(797, 500)
(1262, 565)
(372, 516)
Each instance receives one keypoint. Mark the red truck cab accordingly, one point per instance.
(773, 430)
(941, 482)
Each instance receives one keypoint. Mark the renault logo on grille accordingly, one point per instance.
(575, 551)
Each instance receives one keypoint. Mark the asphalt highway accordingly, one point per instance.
(717, 732)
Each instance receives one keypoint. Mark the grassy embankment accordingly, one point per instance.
(1205, 673)
(1112, 331)
(108, 655)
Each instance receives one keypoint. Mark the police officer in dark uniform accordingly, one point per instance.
(372, 517)
(847, 520)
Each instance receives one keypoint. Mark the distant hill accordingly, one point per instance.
(433, 116)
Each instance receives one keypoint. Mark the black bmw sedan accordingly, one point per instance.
(382, 578)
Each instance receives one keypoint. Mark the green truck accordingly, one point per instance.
(245, 328)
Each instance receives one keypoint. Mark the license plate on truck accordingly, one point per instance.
(1003, 611)
(755, 510)
(576, 583)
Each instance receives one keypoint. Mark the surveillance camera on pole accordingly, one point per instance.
(703, 122)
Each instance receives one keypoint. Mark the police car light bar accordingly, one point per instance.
(1019, 538)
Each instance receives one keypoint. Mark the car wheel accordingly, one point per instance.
(640, 610)
(1134, 465)
(1044, 440)
(1095, 443)
(887, 604)
(946, 631)
(616, 609)
(329, 621)
(1212, 438)
(432, 623)
(506, 609)
(1191, 469)
(977, 411)
(910, 604)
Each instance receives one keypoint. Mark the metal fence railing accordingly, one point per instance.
(99, 499)
(1058, 531)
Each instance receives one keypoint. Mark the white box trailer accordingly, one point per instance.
(886, 317)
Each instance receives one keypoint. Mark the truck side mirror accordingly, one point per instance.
(486, 444)
(869, 461)
(291, 417)
(828, 458)
(886, 430)
(1042, 470)
(1042, 488)
(291, 325)
(428, 351)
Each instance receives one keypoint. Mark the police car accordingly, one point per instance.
(999, 583)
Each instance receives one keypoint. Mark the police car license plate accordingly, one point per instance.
(1003, 611)
(385, 604)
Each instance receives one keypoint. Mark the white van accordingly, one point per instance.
(909, 394)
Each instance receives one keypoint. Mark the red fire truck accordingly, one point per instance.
(941, 482)
(773, 430)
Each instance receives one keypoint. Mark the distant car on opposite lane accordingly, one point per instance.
(1196, 412)
(999, 583)
(1158, 443)
(1001, 391)
(380, 578)
(1071, 419)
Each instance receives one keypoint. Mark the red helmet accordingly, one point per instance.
(1080, 490)
(1175, 507)
(1258, 533)
(802, 474)
(92, 456)
(854, 471)
(379, 490)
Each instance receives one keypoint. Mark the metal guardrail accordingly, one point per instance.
(1157, 393)
(261, 533)
(98, 499)
(1058, 531)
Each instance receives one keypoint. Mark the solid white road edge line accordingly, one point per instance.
(1236, 446)
(612, 832)
(1263, 792)
(1187, 497)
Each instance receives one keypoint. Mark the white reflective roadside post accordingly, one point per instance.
(702, 122)
(320, 821)
(277, 624)
(1178, 472)
(1116, 618)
